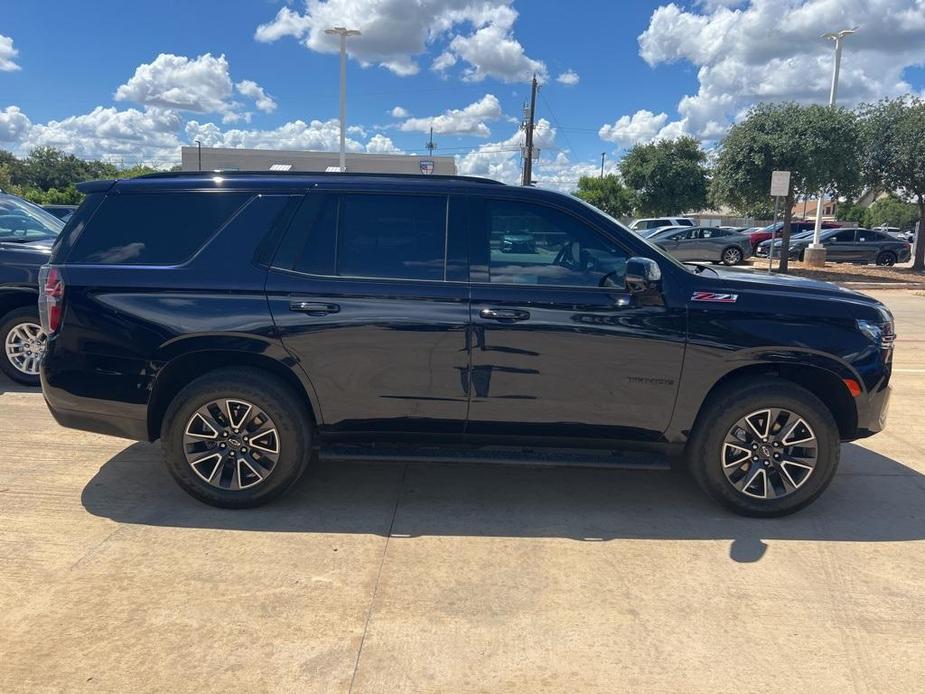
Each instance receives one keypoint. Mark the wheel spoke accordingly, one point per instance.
(219, 446)
(769, 453)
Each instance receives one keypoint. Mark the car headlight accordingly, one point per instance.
(881, 334)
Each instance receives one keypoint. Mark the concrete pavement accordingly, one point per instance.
(459, 578)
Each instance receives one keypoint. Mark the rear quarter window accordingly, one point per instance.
(153, 229)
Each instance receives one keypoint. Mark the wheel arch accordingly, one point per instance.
(16, 299)
(185, 368)
(823, 383)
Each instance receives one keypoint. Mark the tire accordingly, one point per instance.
(731, 255)
(708, 456)
(18, 331)
(185, 438)
(886, 259)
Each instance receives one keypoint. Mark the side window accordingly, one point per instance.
(870, 236)
(388, 236)
(534, 244)
(846, 236)
(153, 229)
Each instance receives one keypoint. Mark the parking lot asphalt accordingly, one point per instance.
(398, 577)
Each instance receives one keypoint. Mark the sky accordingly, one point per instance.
(132, 82)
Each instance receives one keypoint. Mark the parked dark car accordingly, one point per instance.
(62, 212)
(518, 243)
(26, 235)
(248, 318)
(862, 246)
(704, 243)
(775, 230)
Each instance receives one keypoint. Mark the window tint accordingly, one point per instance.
(684, 223)
(714, 233)
(534, 244)
(871, 236)
(846, 236)
(397, 236)
(155, 229)
(23, 221)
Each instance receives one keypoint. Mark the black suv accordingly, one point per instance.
(26, 235)
(247, 318)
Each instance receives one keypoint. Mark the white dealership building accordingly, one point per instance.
(229, 159)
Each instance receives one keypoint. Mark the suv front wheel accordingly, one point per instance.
(236, 438)
(764, 447)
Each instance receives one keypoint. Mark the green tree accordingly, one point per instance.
(607, 194)
(667, 177)
(850, 211)
(892, 212)
(820, 146)
(894, 154)
(47, 167)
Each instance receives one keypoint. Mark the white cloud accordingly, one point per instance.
(770, 50)
(107, 133)
(502, 160)
(399, 112)
(7, 54)
(380, 144)
(395, 32)
(465, 121)
(202, 84)
(569, 78)
(263, 101)
(642, 126)
(14, 124)
(316, 135)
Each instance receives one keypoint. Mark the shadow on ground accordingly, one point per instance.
(9, 386)
(872, 499)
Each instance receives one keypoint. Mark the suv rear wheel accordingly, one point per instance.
(236, 438)
(23, 345)
(732, 256)
(764, 448)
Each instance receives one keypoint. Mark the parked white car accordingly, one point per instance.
(653, 222)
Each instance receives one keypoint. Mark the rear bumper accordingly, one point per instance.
(97, 423)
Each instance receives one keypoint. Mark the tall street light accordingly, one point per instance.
(815, 254)
(343, 32)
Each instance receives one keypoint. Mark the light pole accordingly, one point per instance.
(815, 253)
(343, 32)
(199, 152)
(603, 154)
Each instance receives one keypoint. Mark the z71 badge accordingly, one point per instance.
(715, 298)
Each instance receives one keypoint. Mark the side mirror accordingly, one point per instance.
(642, 275)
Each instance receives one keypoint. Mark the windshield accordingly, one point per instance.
(21, 221)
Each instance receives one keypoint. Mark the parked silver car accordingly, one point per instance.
(704, 243)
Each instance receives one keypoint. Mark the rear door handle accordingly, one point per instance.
(504, 314)
(313, 308)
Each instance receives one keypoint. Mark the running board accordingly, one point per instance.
(624, 460)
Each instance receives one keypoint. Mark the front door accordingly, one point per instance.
(559, 349)
(840, 246)
(373, 305)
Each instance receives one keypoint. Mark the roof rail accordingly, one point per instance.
(321, 174)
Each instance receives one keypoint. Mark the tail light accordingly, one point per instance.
(51, 299)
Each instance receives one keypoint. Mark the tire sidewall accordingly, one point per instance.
(732, 248)
(705, 458)
(13, 318)
(886, 255)
(269, 394)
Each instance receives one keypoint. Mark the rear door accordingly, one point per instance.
(372, 303)
(868, 245)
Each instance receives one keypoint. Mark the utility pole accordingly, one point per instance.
(815, 253)
(199, 152)
(343, 32)
(603, 154)
(431, 145)
(528, 148)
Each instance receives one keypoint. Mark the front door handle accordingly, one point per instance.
(313, 308)
(503, 314)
